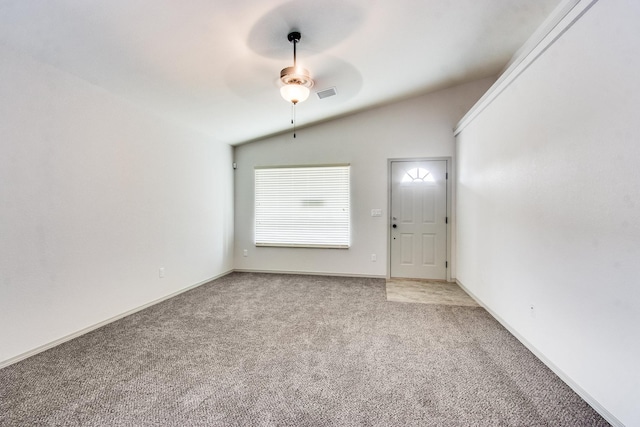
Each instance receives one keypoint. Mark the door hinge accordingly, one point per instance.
(446, 264)
(446, 175)
(446, 220)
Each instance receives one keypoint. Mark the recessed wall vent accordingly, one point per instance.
(322, 94)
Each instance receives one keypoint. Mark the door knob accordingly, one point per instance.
(394, 225)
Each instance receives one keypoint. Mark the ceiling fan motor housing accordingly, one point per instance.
(296, 76)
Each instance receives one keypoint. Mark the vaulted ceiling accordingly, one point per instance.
(214, 65)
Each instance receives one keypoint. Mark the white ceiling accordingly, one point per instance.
(214, 64)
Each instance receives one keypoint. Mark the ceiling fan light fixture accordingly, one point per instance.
(296, 80)
(294, 93)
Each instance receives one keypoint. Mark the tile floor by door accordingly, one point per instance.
(428, 292)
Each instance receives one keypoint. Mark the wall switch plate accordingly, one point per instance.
(161, 272)
(376, 212)
(374, 258)
(245, 253)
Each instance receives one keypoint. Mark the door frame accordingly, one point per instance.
(449, 199)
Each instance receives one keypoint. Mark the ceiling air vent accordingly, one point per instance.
(326, 93)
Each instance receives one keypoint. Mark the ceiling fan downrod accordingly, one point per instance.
(294, 37)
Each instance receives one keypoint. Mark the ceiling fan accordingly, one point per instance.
(296, 80)
(249, 77)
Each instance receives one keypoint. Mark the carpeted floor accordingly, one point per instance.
(285, 350)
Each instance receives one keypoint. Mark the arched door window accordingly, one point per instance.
(417, 175)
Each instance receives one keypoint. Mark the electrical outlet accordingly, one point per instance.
(161, 272)
(374, 258)
(245, 253)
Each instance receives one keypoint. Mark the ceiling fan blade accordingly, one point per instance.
(251, 77)
(329, 71)
(322, 24)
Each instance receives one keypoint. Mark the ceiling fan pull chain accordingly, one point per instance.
(293, 118)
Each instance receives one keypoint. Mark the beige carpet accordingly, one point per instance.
(287, 350)
(428, 292)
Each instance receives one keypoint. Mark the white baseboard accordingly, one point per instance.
(563, 376)
(311, 273)
(83, 331)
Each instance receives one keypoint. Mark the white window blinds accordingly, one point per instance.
(302, 206)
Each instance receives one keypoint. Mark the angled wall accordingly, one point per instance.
(548, 195)
(95, 197)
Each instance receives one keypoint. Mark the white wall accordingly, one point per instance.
(418, 127)
(549, 207)
(95, 197)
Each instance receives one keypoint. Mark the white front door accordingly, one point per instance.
(419, 219)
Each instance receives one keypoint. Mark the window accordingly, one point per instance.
(418, 175)
(302, 206)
